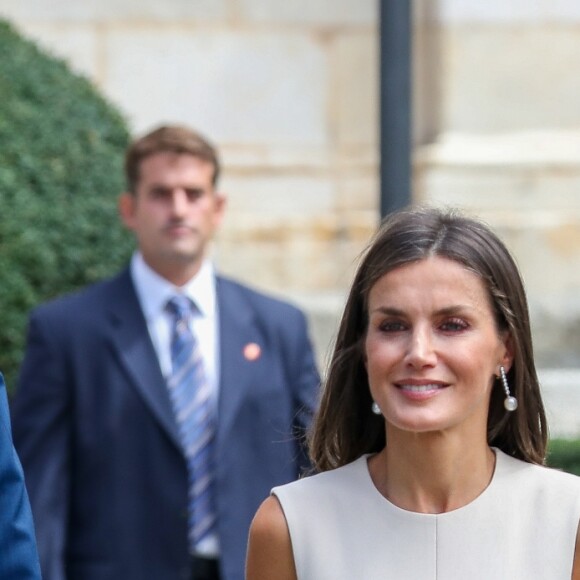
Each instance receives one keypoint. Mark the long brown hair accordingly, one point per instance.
(345, 428)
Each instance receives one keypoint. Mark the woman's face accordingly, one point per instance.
(432, 347)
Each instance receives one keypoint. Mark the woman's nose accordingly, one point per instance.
(421, 350)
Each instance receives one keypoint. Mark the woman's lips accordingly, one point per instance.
(420, 388)
(419, 391)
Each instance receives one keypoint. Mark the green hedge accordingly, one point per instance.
(565, 454)
(61, 157)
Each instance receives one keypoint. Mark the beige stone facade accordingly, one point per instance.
(289, 91)
(286, 89)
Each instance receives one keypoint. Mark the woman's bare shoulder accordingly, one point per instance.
(269, 547)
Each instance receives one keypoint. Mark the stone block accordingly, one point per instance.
(426, 71)
(490, 189)
(111, 11)
(509, 78)
(500, 11)
(357, 158)
(317, 12)
(291, 253)
(561, 396)
(359, 191)
(523, 171)
(355, 105)
(547, 253)
(323, 310)
(277, 157)
(256, 88)
(281, 196)
(283, 256)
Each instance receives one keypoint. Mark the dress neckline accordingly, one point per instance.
(499, 465)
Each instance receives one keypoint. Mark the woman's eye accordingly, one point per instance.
(454, 325)
(392, 326)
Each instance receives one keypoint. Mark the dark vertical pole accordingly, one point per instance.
(395, 107)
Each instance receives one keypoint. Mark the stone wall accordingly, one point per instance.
(288, 90)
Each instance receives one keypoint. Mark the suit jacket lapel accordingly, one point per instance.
(131, 339)
(237, 329)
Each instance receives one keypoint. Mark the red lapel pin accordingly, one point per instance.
(252, 351)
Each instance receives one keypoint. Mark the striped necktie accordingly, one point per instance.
(190, 396)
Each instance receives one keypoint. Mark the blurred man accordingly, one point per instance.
(156, 410)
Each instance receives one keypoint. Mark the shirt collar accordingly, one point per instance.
(154, 291)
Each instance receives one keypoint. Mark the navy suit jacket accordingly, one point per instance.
(18, 556)
(94, 427)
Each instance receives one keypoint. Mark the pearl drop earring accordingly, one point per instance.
(510, 403)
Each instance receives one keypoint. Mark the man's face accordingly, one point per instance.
(174, 213)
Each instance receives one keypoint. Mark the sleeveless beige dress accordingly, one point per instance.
(522, 527)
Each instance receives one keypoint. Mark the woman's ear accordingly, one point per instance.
(508, 354)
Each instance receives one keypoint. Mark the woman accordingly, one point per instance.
(431, 432)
